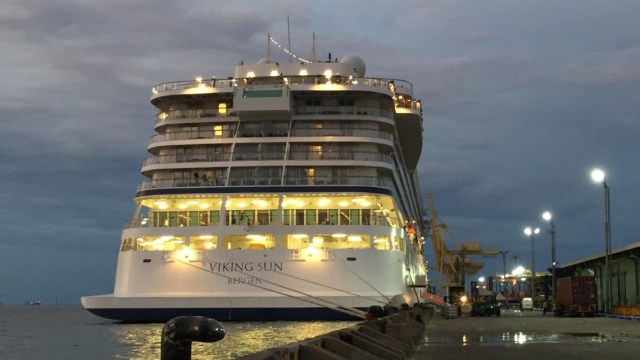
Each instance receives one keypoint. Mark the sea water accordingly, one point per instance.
(69, 332)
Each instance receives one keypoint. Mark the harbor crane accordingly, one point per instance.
(453, 265)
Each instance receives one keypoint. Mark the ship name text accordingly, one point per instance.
(221, 267)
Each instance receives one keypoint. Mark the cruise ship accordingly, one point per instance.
(287, 191)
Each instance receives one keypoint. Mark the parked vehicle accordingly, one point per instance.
(576, 295)
(485, 306)
(526, 304)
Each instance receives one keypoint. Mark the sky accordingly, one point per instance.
(522, 99)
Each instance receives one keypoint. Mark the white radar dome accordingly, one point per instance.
(263, 61)
(356, 62)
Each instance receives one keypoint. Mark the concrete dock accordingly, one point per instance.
(394, 337)
(417, 334)
(529, 335)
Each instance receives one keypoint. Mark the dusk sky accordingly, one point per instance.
(522, 99)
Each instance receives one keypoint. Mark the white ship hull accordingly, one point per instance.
(240, 285)
(287, 192)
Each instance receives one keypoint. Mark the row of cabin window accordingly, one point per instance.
(265, 217)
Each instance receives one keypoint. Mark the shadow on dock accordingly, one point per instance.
(392, 337)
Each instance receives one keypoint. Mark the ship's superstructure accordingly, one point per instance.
(285, 192)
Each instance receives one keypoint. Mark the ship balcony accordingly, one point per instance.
(374, 181)
(339, 83)
(192, 114)
(341, 155)
(340, 132)
(192, 87)
(344, 110)
(296, 82)
(319, 219)
(406, 111)
(195, 137)
(151, 163)
(225, 136)
(187, 184)
(177, 159)
(401, 88)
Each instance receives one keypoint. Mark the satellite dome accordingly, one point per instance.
(263, 61)
(356, 61)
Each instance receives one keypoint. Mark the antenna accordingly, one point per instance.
(289, 36)
(268, 48)
(314, 57)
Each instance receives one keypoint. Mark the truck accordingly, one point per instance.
(576, 296)
(485, 305)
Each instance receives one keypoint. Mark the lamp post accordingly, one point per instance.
(504, 267)
(548, 217)
(599, 176)
(530, 233)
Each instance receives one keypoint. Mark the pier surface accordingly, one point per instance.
(529, 335)
(513, 335)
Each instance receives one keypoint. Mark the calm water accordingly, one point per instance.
(69, 332)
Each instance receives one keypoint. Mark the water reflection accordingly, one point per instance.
(519, 338)
(142, 341)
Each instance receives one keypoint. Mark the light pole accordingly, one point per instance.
(600, 177)
(530, 233)
(504, 267)
(548, 217)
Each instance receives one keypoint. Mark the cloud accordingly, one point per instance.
(520, 100)
(605, 68)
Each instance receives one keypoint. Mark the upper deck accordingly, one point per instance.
(266, 90)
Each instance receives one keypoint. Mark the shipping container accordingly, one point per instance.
(576, 295)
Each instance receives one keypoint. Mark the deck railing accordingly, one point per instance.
(267, 181)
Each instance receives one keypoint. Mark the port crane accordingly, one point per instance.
(453, 265)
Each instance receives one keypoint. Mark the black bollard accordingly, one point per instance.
(178, 334)
(375, 312)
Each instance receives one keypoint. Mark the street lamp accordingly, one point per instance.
(530, 232)
(548, 217)
(519, 270)
(600, 177)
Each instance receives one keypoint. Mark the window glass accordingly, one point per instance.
(248, 242)
(203, 242)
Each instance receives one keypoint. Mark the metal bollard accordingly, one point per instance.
(178, 334)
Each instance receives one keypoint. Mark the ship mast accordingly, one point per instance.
(289, 36)
(268, 47)
(314, 57)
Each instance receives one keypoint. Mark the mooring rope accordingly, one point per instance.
(344, 309)
(331, 287)
(363, 280)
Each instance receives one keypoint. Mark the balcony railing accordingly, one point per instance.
(177, 159)
(262, 156)
(341, 155)
(399, 86)
(402, 86)
(191, 113)
(268, 181)
(228, 134)
(343, 110)
(372, 133)
(189, 135)
(372, 218)
(191, 84)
